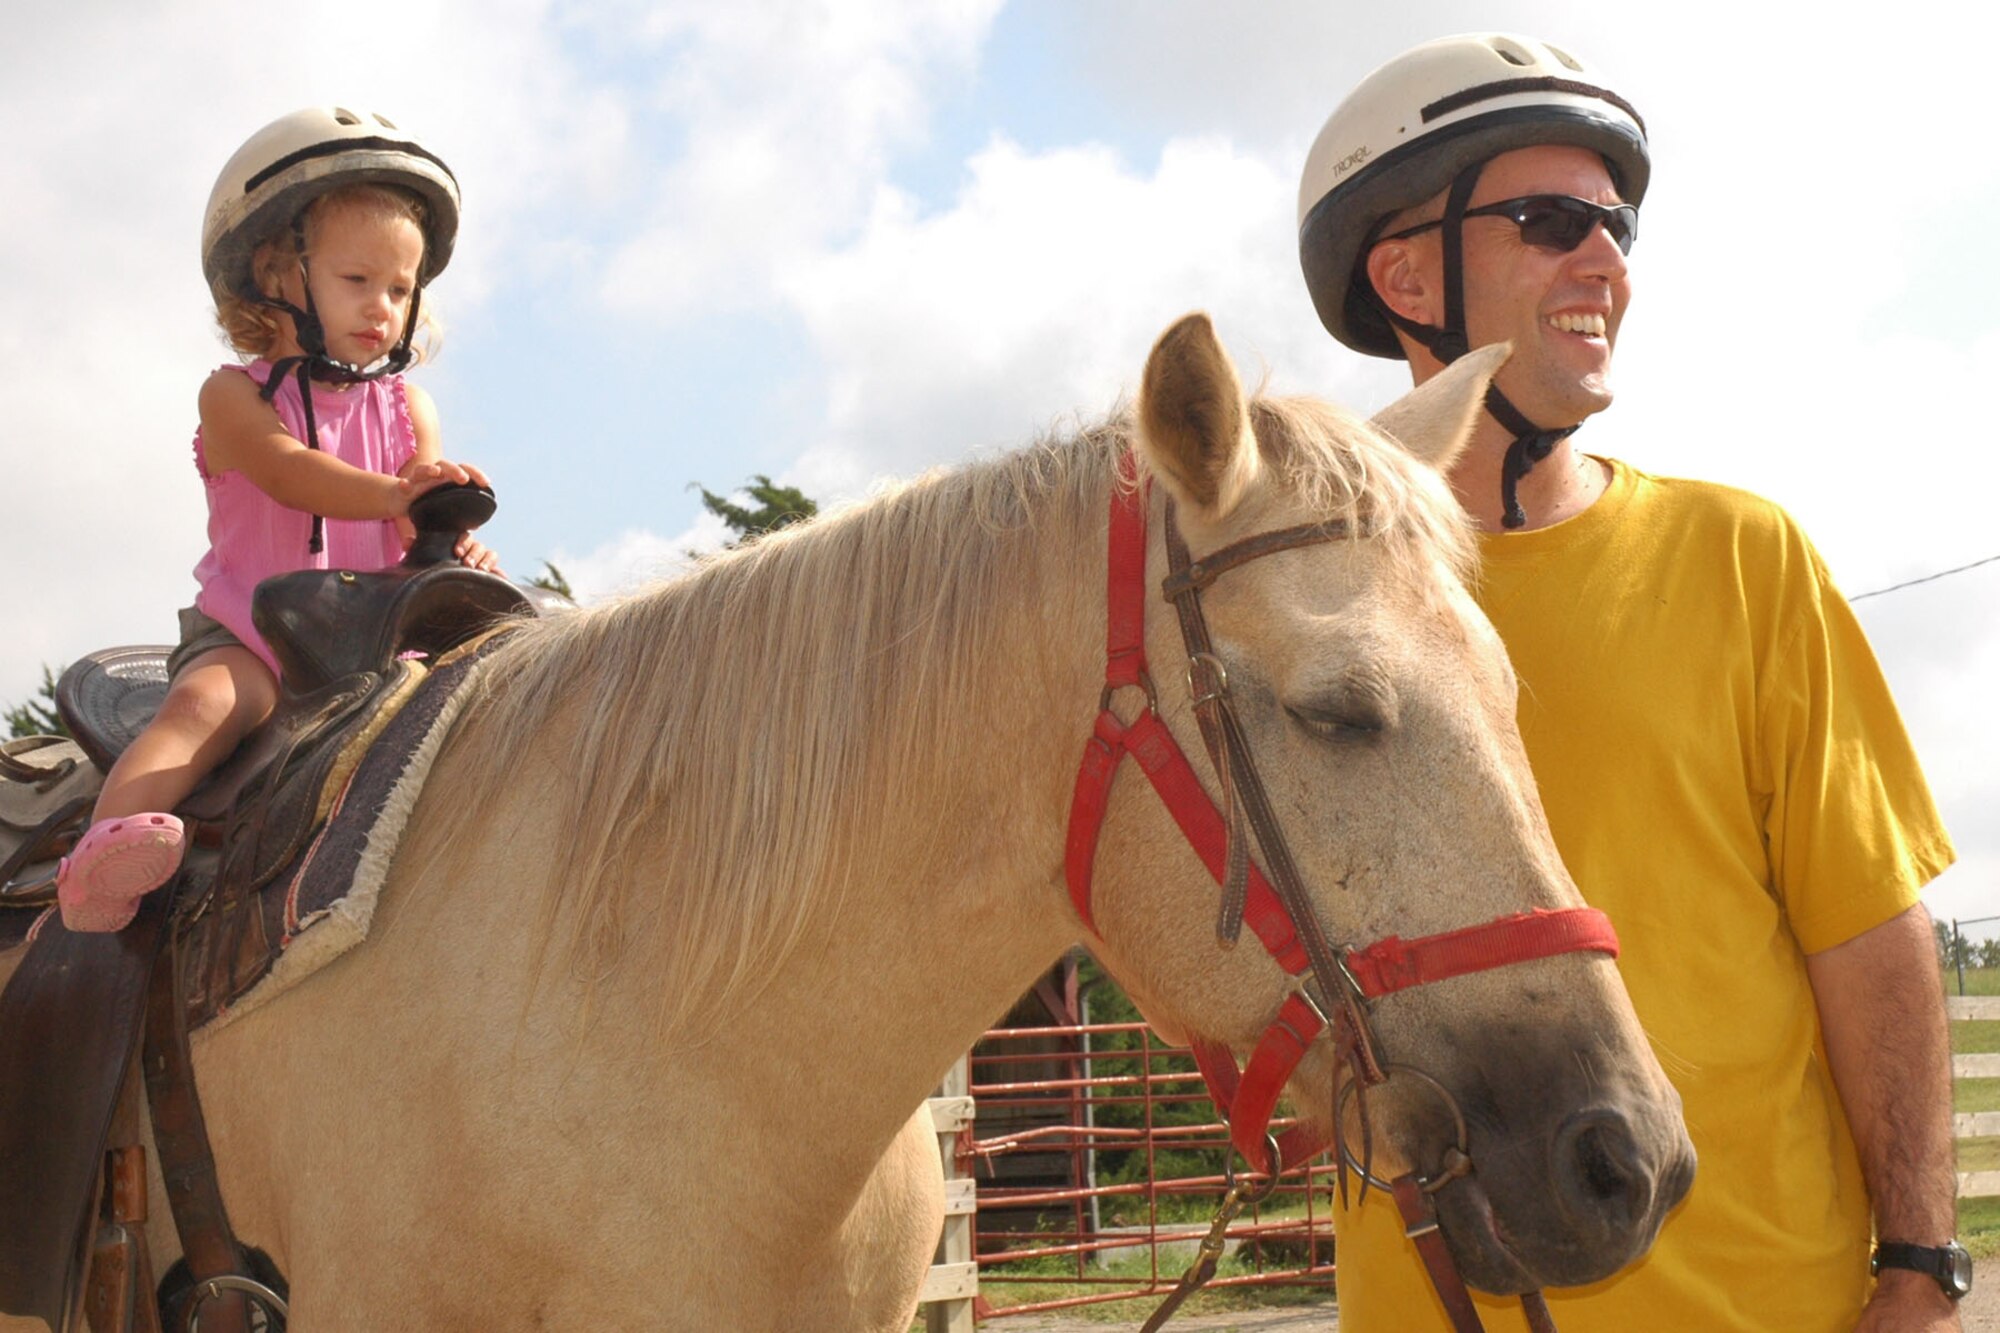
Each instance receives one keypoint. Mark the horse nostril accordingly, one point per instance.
(1598, 1166)
(1602, 1176)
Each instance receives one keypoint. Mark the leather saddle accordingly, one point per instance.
(351, 648)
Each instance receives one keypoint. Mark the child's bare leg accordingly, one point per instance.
(134, 845)
(214, 703)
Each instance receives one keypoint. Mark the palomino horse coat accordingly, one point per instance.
(714, 883)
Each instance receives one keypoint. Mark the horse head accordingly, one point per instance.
(1376, 705)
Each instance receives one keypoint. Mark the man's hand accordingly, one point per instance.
(1907, 1302)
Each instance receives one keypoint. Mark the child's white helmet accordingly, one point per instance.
(290, 162)
(1410, 128)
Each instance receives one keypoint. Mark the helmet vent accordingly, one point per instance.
(342, 116)
(1564, 56)
(1511, 52)
(389, 124)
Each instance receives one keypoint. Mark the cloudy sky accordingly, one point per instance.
(836, 241)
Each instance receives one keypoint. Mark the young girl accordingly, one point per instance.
(320, 235)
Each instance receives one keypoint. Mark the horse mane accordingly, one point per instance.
(1335, 464)
(749, 715)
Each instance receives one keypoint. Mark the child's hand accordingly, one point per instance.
(473, 555)
(416, 478)
(419, 477)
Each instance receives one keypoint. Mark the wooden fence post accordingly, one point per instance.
(953, 1282)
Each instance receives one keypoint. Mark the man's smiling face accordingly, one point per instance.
(1561, 309)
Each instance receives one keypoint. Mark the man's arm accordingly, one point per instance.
(1881, 1009)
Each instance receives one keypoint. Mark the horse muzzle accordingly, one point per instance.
(1583, 1204)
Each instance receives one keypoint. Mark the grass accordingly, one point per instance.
(1978, 981)
(1975, 1036)
(1979, 1226)
(1982, 1154)
(1135, 1271)
(1975, 1094)
(1132, 1269)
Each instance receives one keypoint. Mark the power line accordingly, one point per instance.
(1928, 578)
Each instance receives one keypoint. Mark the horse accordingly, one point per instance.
(712, 883)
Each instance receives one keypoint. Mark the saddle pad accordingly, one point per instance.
(321, 905)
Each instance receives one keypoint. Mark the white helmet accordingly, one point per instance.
(1411, 127)
(296, 158)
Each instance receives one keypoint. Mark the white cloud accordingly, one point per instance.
(636, 558)
(1036, 294)
(789, 114)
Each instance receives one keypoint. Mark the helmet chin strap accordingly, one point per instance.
(313, 363)
(1531, 443)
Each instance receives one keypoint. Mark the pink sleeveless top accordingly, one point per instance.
(251, 536)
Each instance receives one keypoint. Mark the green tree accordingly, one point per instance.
(776, 507)
(552, 579)
(38, 716)
(1953, 949)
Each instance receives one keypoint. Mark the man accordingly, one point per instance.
(1719, 757)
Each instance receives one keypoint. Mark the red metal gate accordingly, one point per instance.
(1099, 1170)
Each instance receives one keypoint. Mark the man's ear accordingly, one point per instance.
(1404, 281)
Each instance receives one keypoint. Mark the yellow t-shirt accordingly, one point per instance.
(1726, 777)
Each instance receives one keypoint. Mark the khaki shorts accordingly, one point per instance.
(200, 633)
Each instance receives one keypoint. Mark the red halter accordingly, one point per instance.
(1246, 1100)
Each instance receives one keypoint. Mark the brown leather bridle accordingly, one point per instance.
(1332, 985)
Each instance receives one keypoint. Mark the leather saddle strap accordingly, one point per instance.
(69, 1023)
(187, 1162)
(16, 770)
(46, 841)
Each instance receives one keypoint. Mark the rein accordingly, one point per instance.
(1332, 985)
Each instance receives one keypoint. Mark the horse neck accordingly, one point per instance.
(961, 903)
(955, 901)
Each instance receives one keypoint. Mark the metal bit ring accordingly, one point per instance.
(1458, 1158)
(259, 1294)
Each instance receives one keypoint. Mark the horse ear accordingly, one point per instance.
(1194, 423)
(1434, 420)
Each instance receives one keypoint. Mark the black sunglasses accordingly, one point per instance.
(1559, 222)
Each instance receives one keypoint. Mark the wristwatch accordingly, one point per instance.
(1948, 1265)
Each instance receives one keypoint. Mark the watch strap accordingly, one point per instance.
(1948, 1265)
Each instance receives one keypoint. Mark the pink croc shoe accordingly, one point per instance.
(117, 863)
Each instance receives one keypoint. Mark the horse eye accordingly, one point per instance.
(1344, 725)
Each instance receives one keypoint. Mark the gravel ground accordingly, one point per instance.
(1980, 1313)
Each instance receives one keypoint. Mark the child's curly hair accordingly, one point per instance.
(257, 330)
